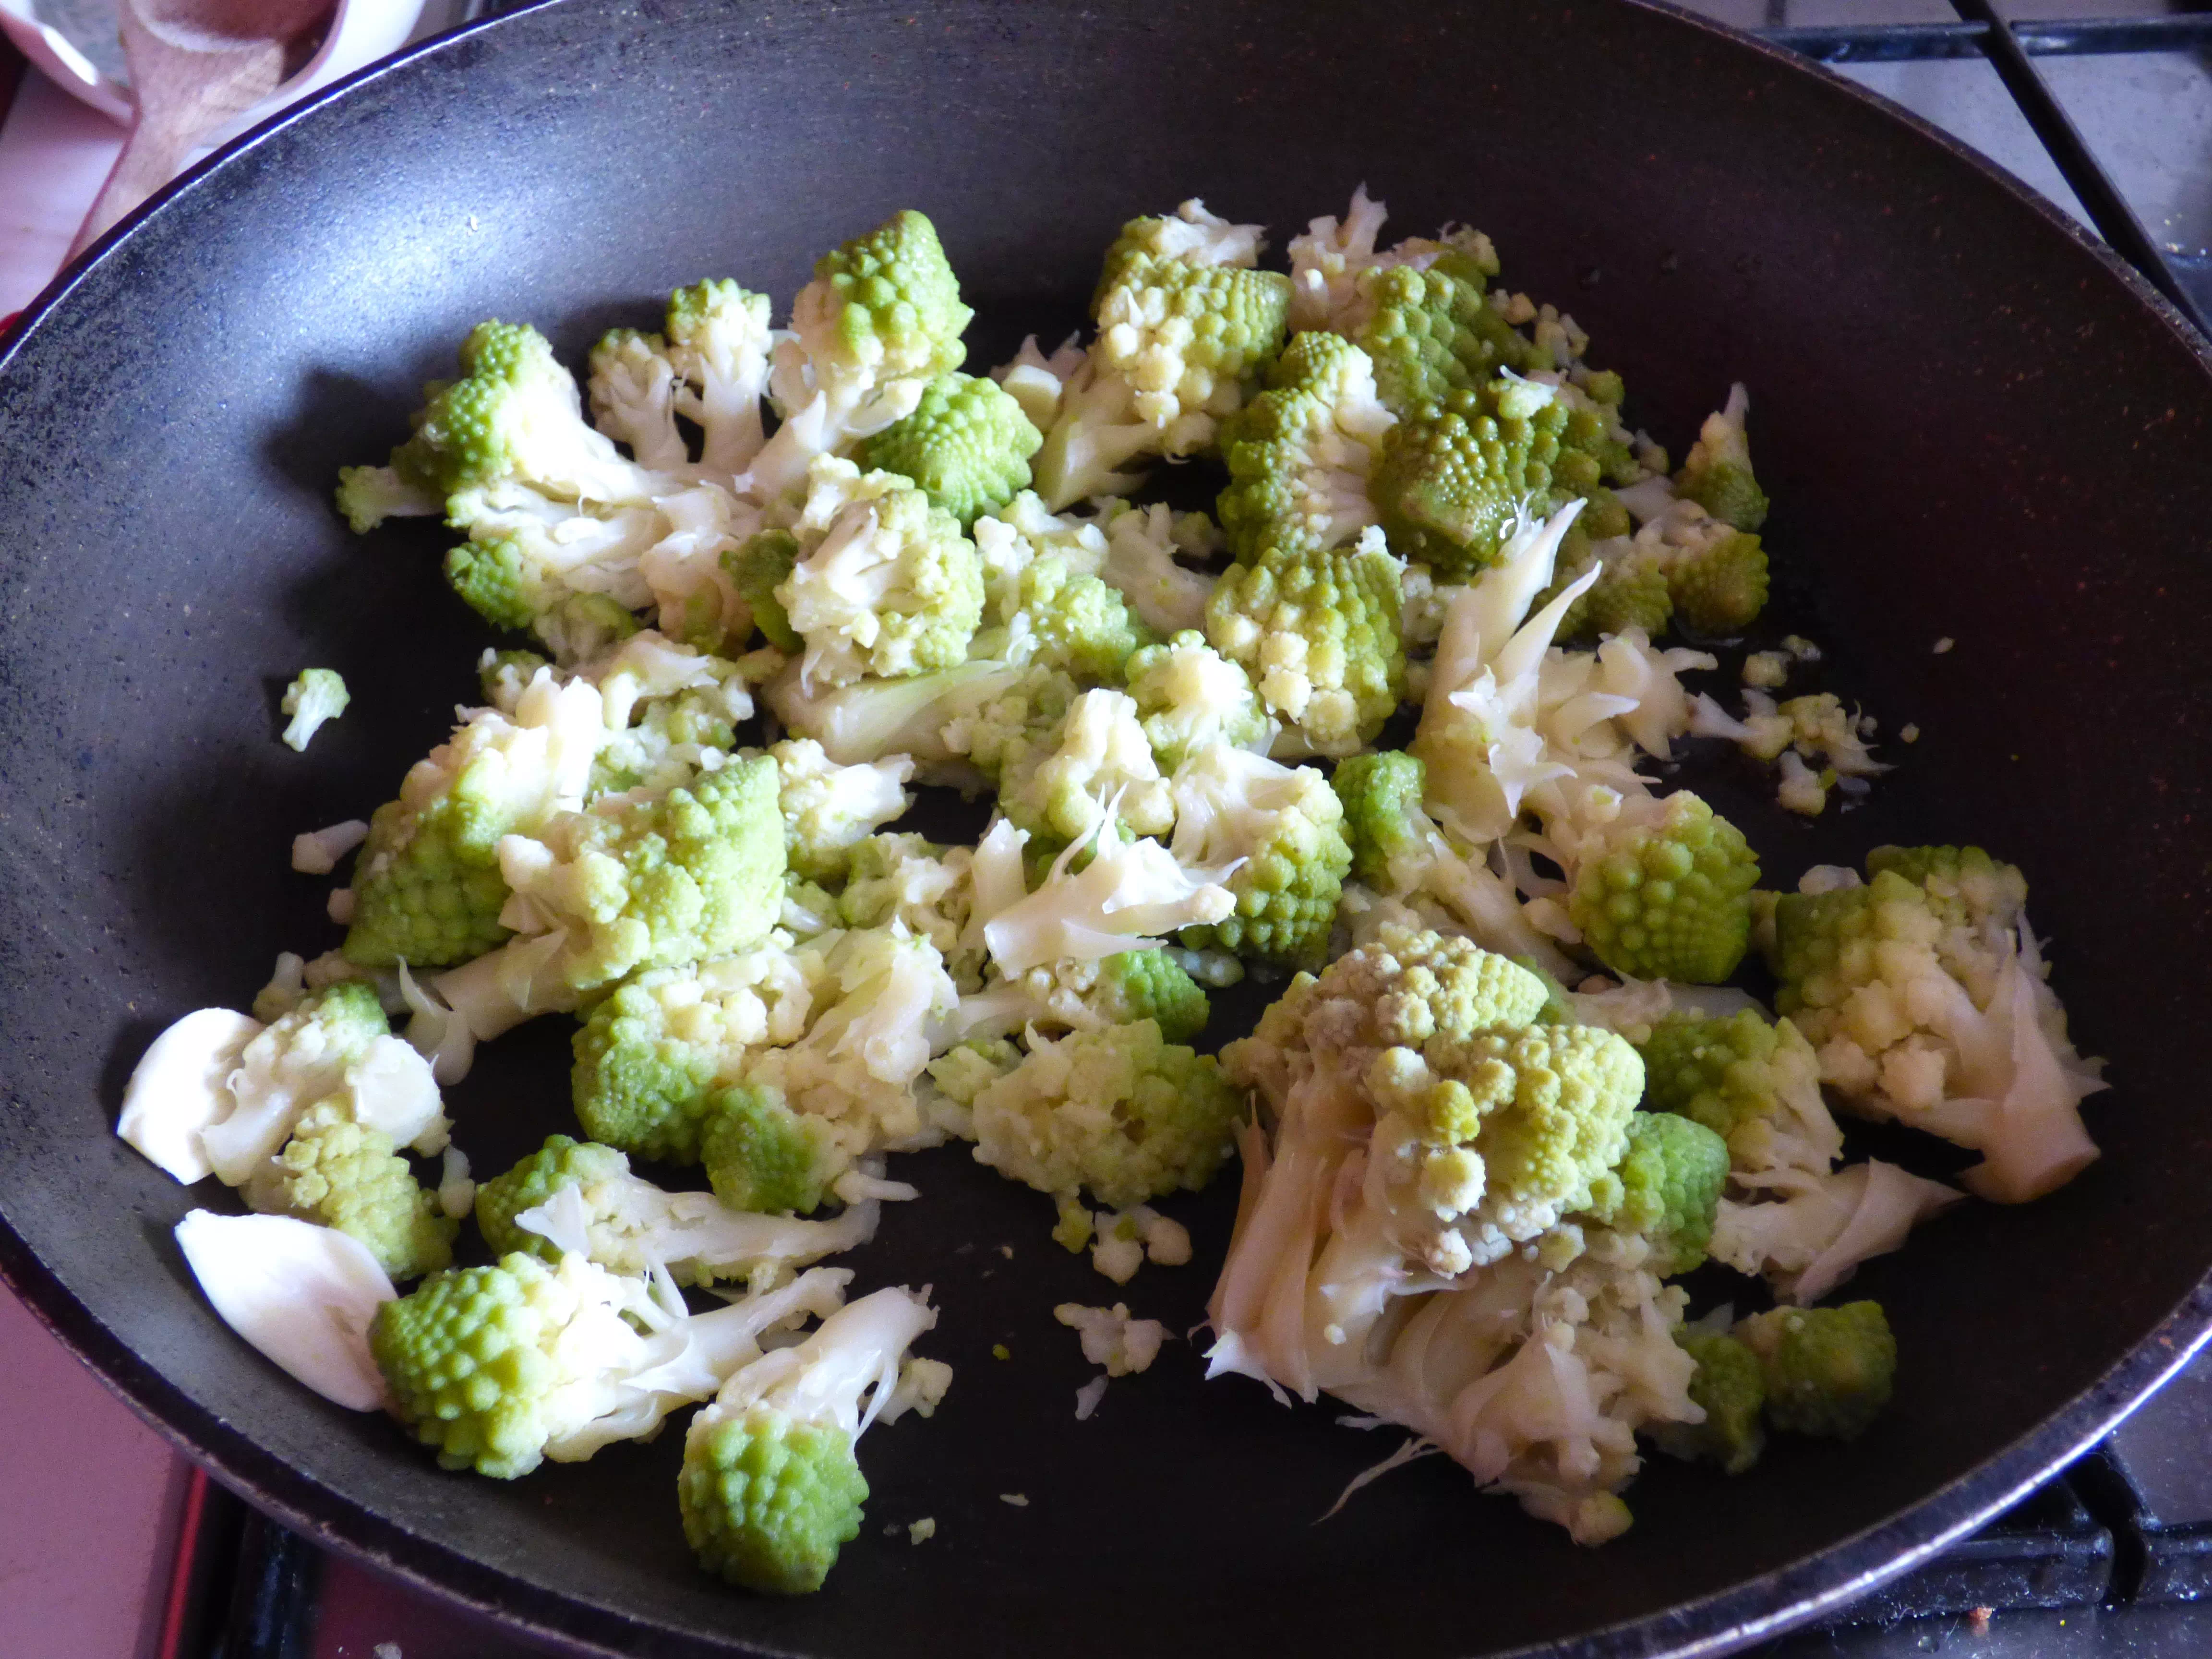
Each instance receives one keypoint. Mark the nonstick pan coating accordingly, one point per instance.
(1972, 422)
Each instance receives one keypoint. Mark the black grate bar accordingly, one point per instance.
(1898, 43)
(2100, 198)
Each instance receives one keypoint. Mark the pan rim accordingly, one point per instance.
(1751, 1610)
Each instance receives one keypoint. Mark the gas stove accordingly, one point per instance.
(2105, 108)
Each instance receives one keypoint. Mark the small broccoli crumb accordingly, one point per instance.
(922, 1530)
(1766, 669)
(1800, 647)
(1909, 732)
(1944, 645)
(1000, 1351)
(318, 694)
(1019, 1500)
(1111, 1338)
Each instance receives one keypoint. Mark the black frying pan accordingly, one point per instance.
(1973, 423)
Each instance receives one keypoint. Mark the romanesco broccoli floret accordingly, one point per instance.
(1318, 632)
(1184, 322)
(315, 697)
(1096, 760)
(1299, 455)
(572, 1198)
(499, 1367)
(1923, 992)
(1383, 821)
(1718, 584)
(504, 676)
(1457, 474)
(428, 889)
(881, 319)
(1666, 1187)
(1716, 474)
(719, 343)
(1667, 895)
(1504, 1133)
(348, 1175)
(1730, 1386)
(1072, 621)
(1828, 1371)
(330, 1049)
(967, 447)
(563, 1161)
(1118, 1111)
(1283, 827)
(887, 585)
(646, 883)
(1190, 697)
(1432, 331)
(671, 713)
(829, 809)
(649, 1057)
(514, 418)
(1632, 589)
(770, 1489)
(1756, 1086)
(761, 1155)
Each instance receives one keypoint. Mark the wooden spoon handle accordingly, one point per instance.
(182, 95)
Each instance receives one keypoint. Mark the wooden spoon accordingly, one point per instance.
(195, 65)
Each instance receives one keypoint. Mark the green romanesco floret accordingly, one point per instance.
(1666, 895)
(1072, 621)
(1455, 474)
(428, 889)
(1506, 1131)
(563, 1161)
(1118, 1111)
(1383, 821)
(1190, 697)
(1716, 474)
(718, 344)
(1286, 826)
(1730, 1386)
(1318, 633)
(1828, 1371)
(757, 566)
(1864, 963)
(770, 1489)
(568, 1197)
(514, 418)
(692, 874)
(1756, 1085)
(582, 629)
(1632, 590)
(1666, 1188)
(761, 1155)
(888, 305)
(967, 446)
(889, 585)
(678, 711)
(1299, 455)
(316, 696)
(829, 809)
(348, 1175)
(489, 1365)
(1432, 332)
(1184, 332)
(649, 1057)
(1718, 584)
(1095, 760)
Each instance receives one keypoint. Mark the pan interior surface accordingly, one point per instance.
(1970, 426)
